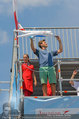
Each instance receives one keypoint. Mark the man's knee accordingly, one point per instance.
(44, 88)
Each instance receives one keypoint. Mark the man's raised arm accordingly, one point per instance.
(73, 75)
(60, 44)
(32, 45)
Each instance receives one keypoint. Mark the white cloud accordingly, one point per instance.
(6, 6)
(3, 37)
(71, 5)
(22, 4)
(34, 2)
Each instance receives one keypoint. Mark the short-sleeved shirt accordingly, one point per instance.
(27, 71)
(45, 57)
(76, 86)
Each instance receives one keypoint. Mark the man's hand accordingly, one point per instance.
(58, 38)
(31, 37)
(74, 72)
(73, 75)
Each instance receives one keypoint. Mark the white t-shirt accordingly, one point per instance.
(76, 86)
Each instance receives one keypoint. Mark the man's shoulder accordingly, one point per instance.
(2, 116)
(36, 50)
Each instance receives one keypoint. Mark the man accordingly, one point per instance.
(74, 84)
(6, 111)
(46, 64)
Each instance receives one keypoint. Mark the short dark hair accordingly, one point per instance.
(6, 105)
(40, 42)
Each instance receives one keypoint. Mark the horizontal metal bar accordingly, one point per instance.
(56, 59)
(73, 91)
(45, 96)
(50, 28)
(4, 89)
(5, 82)
(77, 62)
(69, 79)
(69, 91)
(68, 59)
(41, 96)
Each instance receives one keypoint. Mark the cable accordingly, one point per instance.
(41, 71)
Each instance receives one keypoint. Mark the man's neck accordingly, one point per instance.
(43, 48)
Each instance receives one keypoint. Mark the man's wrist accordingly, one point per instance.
(73, 74)
(59, 40)
(31, 37)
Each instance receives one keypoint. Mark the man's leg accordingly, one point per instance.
(52, 79)
(43, 78)
(53, 87)
(44, 89)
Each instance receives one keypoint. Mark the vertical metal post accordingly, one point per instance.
(14, 58)
(55, 39)
(51, 41)
(23, 45)
(67, 42)
(59, 35)
(59, 73)
(18, 49)
(26, 46)
(34, 41)
(75, 42)
(16, 77)
(72, 43)
(64, 43)
(21, 90)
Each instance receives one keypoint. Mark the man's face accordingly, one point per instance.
(44, 44)
(6, 110)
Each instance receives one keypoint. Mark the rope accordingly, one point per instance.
(41, 71)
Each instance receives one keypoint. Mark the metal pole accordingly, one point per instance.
(59, 72)
(14, 58)
(21, 89)
(67, 42)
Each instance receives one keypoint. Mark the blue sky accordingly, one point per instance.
(32, 13)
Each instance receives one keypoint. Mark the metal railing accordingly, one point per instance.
(61, 79)
(4, 82)
(68, 35)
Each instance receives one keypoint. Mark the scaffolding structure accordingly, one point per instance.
(69, 37)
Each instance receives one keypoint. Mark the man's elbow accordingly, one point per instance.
(60, 51)
(33, 49)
